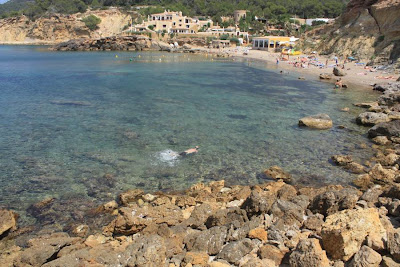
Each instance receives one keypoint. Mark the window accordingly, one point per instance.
(261, 43)
(256, 43)
(180, 20)
(174, 23)
(164, 26)
(187, 26)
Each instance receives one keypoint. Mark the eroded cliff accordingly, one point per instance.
(367, 29)
(57, 28)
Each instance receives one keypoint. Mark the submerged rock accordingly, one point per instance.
(276, 172)
(319, 121)
(388, 129)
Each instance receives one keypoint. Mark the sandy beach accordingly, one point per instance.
(357, 74)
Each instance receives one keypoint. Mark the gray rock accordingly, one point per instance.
(210, 240)
(146, 251)
(393, 243)
(339, 72)
(234, 251)
(258, 202)
(227, 216)
(388, 129)
(308, 253)
(334, 200)
(366, 257)
(199, 215)
(389, 262)
(372, 118)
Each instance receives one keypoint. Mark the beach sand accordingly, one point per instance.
(357, 75)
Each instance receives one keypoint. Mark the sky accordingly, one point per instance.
(3, 1)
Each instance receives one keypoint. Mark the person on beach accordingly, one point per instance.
(190, 151)
(326, 63)
(336, 60)
(338, 83)
(277, 61)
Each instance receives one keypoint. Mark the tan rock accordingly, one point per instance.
(130, 196)
(363, 181)
(95, 240)
(218, 264)
(276, 172)
(366, 257)
(8, 220)
(345, 231)
(381, 140)
(110, 206)
(380, 175)
(196, 258)
(309, 253)
(319, 121)
(342, 160)
(258, 233)
(271, 252)
(216, 186)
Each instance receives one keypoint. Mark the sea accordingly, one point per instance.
(89, 125)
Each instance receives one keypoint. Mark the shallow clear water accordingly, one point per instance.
(242, 115)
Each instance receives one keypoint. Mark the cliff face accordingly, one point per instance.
(60, 28)
(367, 29)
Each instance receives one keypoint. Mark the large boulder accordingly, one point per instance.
(210, 240)
(8, 221)
(339, 72)
(271, 252)
(319, 121)
(372, 118)
(309, 253)
(388, 129)
(344, 232)
(379, 175)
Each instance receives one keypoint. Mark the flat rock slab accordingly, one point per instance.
(319, 121)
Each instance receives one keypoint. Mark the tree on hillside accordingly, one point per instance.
(92, 22)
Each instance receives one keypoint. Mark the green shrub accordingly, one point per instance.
(91, 22)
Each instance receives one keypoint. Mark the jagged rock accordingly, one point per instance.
(355, 167)
(227, 216)
(196, 258)
(130, 196)
(389, 262)
(335, 200)
(388, 129)
(381, 140)
(272, 253)
(363, 181)
(314, 223)
(199, 215)
(372, 194)
(133, 219)
(319, 121)
(308, 253)
(238, 232)
(342, 160)
(393, 243)
(339, 72)
(290, 211)
(366, 257)
(234, 251)
(276, 172)
(45, 248)
(8, 221)
(146, 251)
(258, 233)
(372, 118)
(210, 240)
(345, 231)
(380, 175)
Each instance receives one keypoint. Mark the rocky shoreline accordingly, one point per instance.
(125, 43)
(271, 224)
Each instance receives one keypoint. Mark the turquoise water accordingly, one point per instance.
(90, 124)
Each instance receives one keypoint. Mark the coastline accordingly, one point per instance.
(269, 224)
(356, 74)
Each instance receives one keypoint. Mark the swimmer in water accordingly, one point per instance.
(189, 151)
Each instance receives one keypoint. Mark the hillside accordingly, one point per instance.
(57, 28)
(14, 6)
(369, 30)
